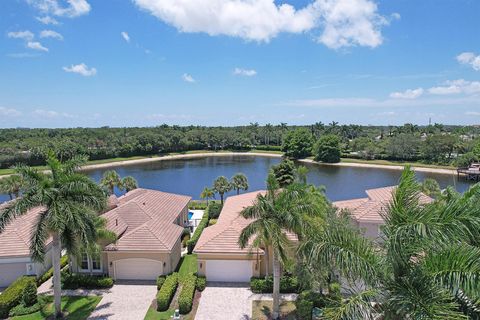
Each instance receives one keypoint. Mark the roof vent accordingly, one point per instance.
(144, 203)
(116, 222)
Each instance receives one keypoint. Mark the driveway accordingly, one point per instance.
(231, 301)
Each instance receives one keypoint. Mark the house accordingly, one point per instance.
(15, 258)
(220, 258)
(366, 213)
(149, 225)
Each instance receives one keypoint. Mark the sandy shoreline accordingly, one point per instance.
(257, 154)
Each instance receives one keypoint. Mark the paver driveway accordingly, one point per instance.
(232, 301)
(125, 301)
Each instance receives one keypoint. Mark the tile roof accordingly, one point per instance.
(145, 220)
(371, 209)
(15, 238)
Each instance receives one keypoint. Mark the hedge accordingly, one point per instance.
(198, 232)
(22, 309)
(288, 284)
(201, 283)
(185, 299)
(49, 273)
(166, 293)
(13, 295)
(160, 281)
(78, 280)
(214, 210)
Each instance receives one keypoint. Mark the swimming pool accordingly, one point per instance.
(190, 215)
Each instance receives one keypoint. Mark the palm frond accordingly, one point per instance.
(39, 238)
(357, 306)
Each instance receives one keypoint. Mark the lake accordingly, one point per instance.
(190, 176)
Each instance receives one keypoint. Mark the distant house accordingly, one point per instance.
(366, 213)
(15, 258)
(149, 226)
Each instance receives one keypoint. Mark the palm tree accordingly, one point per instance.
(275, 214)
(221, 186)
(427, 265)
(129, 183)
(239, 182)
(70, 201)
(110, 180)
(207, 193)
(302, 172)
(11, 185)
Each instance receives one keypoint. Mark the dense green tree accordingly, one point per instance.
(12, 185)
(298, 144)
(403, 147)
(110, 180)
(70, 200)
(207, 193)
(239, 182)
(284, 172)
(327, 149)
(439, 148)
(221, 185)
(129, 183)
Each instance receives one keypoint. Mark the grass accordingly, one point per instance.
(77, 308)
(262, 310)
(153, 314)
(188, 264)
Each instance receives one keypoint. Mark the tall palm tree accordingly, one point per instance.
(11, 185)
(221, 186)
(239, 182)
(110, 180)
(426, 267)
(129, 183)
(207, 193)
(276, 214)
(69, 200)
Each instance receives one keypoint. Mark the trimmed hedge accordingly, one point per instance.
(201, 283)
(49, 273)
(160, 281)
(22, 309)
(166, 293)
(288, 284)
(198, 232)
(77, 280)
(185, 299)
(13, 295)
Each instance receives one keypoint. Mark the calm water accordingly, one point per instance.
(190, 176)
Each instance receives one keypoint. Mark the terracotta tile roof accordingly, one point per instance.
(15, 238)
(370, 209)
(145, 220)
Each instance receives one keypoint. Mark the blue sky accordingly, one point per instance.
(67, 63)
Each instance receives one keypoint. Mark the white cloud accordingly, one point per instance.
(456, 87)
(51, 114)
(74, 8)
(125, 36)
(340, 23)
(188, 78)
(24, 35)
(244, 72)
(35, 45)
(472, 113)
(408, 94)
(9, 112)
(469, 58)
(51, 34)
(81, 69)
(47, 20)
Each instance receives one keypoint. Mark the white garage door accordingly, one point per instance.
(11, 271)
(138, 269)
(229, 270)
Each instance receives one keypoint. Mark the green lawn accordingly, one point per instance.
(188, 264)
(153, 314)
(261, 310)
(78, 308)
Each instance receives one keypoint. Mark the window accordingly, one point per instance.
(84, 262)
(96, 263)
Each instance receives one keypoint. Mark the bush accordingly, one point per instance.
(198, 232)
(166, 293)
(78, 280)
(13, 295)
(197, 205)
(21, 309)
(304, 309)
(288, 284)
(211, 222)
(49, 273)
(185, 241)
(327, 149)
(29, 297)
(214, 210)
(185, 299)
(201, 283)
(160, 281)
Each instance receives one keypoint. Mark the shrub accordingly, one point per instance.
(327, 149)
(304, 309)
(212, 222)
(21, 309)
(185, 299)
(49, 273)
(13, 295)
(288, 284)
(160, 281)
(185, 241)
(198, 232)
(201, 283)
(78, 280)
(166, 293)
(29, 297)
(197, 205)
(214, 209)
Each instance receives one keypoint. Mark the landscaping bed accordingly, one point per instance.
(262, 310)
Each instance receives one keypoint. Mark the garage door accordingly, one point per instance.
(138, 269)
(11, 271)
(229, 270)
